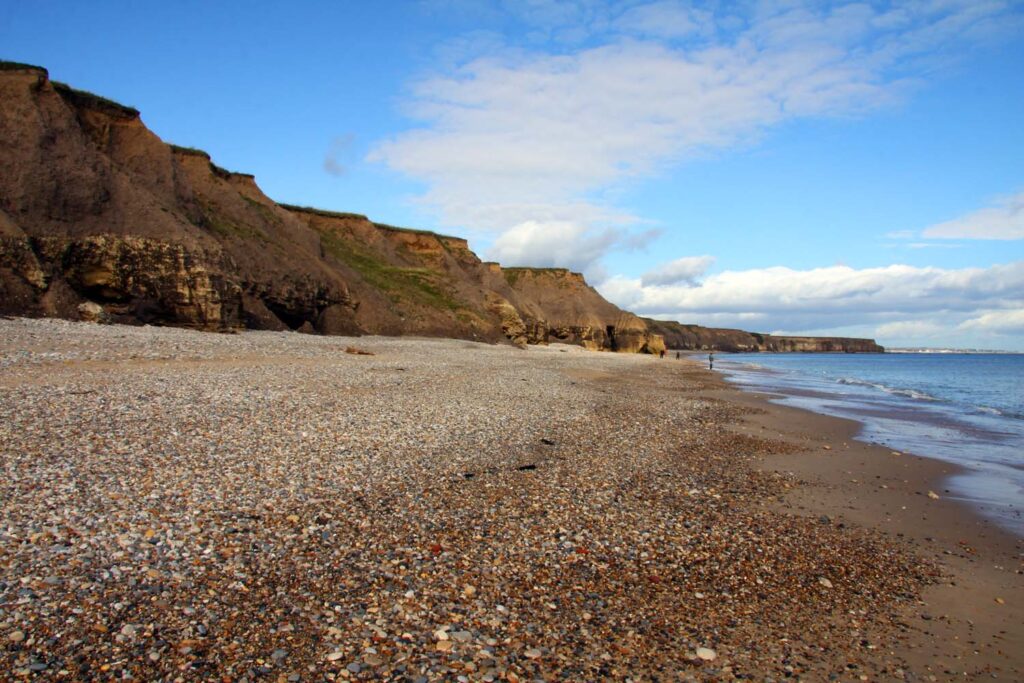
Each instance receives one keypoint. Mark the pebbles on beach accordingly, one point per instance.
(270, 506)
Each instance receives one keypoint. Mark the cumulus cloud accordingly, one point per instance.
(682, 270)
(784, 298)
(542, 132)
(563, 244)
(998, 322)
(665, 20)
(910, 329)
(1005, 221)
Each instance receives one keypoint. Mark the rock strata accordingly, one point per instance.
(101, 220)
(698, 338)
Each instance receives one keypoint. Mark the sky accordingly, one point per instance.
(830, 168)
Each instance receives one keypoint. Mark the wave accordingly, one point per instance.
(909, 393)
(1001, 413)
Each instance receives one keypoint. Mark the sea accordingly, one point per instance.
(964, 408)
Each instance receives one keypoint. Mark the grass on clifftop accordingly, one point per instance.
(345, 214)
(513, 273)
(88, 100)
(18, 66)
(189, 151)
(322, 212)
(416, 285)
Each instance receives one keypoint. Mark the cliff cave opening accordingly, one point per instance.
(293, 319)
(610, 331)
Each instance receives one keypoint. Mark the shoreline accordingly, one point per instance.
(975, 441)
(270, 505)
(959, 629)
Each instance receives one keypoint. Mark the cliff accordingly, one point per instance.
(102, 220)
(695, 337)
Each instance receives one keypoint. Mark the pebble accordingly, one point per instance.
(706, 654)
(247, 500)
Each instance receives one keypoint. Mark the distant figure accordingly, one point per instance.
(677, 355)
(662, 354)
(711, 361)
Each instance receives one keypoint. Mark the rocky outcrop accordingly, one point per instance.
(95, 209)
(575, 313)
(783, 344)
(698, 338)
(101, 220)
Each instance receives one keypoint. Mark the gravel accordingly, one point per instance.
(180, 505)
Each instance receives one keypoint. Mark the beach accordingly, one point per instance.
(181, 505)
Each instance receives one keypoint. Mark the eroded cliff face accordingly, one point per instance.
(575, 313)
(96, 211)
(697, 338)
(102, 220)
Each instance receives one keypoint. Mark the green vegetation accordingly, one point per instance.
(222, 173)
(216, 223)
(263, 209)
(411, 231)
(88, 100)
(216, 170)
(322, 212)
(525, 269)
(189, 151)
(345, 214)
(512, 274)
(417, 285)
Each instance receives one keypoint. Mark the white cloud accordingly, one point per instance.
(997, 322)
(665, 20)
(784, 298)
(901, 235)
(910, 329)
(685, 270)
(1005, 221)
(563, 244)
(543, 134)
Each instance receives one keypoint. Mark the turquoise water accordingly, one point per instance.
(963, 408)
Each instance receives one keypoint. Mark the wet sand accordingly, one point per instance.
(266, 506)
(970, 625)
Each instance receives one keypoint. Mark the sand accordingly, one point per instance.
(265, 506)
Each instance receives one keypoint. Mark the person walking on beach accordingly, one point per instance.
(677, 355)
(711, 361)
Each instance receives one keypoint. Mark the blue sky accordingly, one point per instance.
(801, 167)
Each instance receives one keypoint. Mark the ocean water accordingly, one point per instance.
(963, 408)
